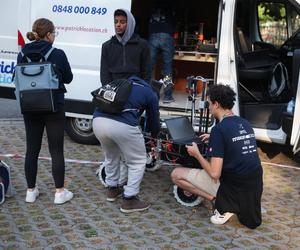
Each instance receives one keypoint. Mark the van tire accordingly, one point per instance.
(80, 130)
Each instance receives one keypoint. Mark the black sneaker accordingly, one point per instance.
(168, 99)
(133, 204)
(113, 193)
(167, 83)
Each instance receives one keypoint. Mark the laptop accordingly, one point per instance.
(181, 131)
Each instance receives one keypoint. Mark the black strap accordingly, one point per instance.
(46, 56)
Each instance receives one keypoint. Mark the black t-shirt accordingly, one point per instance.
(233, 140)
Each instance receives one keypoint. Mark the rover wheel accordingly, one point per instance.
(152, 164)
(101, 174)
(185, 198)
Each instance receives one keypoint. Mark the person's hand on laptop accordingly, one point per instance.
(204, 137)
(193, 149)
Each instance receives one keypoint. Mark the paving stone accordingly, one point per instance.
(88, 221)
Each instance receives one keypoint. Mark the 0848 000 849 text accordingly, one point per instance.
(79, 9)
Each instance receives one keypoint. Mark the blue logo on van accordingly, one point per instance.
(7, 68)
(6, 71)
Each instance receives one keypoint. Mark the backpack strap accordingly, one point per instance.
(49, 53)
(27, 58)
(135, 81)
(45, 56)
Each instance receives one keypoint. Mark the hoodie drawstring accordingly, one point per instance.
(124, 56)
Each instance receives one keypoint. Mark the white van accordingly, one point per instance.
(253, 45)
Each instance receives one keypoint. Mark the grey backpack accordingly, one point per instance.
(37, 85)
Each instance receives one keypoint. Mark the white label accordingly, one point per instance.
(109, 95)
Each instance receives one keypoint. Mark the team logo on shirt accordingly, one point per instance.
(242, 131)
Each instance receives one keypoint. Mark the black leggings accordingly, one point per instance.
(34, 125)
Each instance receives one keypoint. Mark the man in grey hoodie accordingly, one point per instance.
(126, 54)
(123, 56)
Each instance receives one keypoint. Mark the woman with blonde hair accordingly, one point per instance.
(42, 36)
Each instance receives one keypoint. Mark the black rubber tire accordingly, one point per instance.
(102, 174)
(80, 130)
(189, 200)
(152, 164)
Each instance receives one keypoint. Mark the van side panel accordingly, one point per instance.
(296, 120)
(8, 44)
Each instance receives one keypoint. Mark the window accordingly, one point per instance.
(295, 21)
(272, 22)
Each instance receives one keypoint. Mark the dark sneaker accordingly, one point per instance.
(168, 99)
(113, 193)
(167, 83)
(133, 204)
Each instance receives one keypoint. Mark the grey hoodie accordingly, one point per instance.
(129, 29)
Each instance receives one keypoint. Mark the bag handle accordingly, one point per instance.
(32, 74)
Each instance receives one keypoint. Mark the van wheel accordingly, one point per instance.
(80, 130)
(185, 198)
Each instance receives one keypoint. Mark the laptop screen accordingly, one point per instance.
(180, 128)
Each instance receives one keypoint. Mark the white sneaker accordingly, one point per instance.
(220, 219)
(63, 196)
(32, 195)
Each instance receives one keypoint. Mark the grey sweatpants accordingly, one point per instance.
(119, 139)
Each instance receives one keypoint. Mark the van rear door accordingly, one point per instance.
(293, 44)
(296, 148)
(295, 136)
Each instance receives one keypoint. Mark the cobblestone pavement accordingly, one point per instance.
(90, 222)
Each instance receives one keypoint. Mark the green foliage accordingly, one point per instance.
(271, 12)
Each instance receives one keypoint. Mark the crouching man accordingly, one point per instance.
(120, 135)
(233, 175)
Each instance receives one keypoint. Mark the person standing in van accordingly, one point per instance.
(161, 30)
(125, 55)
(233, 175)
(42, 36)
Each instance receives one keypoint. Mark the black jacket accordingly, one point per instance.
(123, 61)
